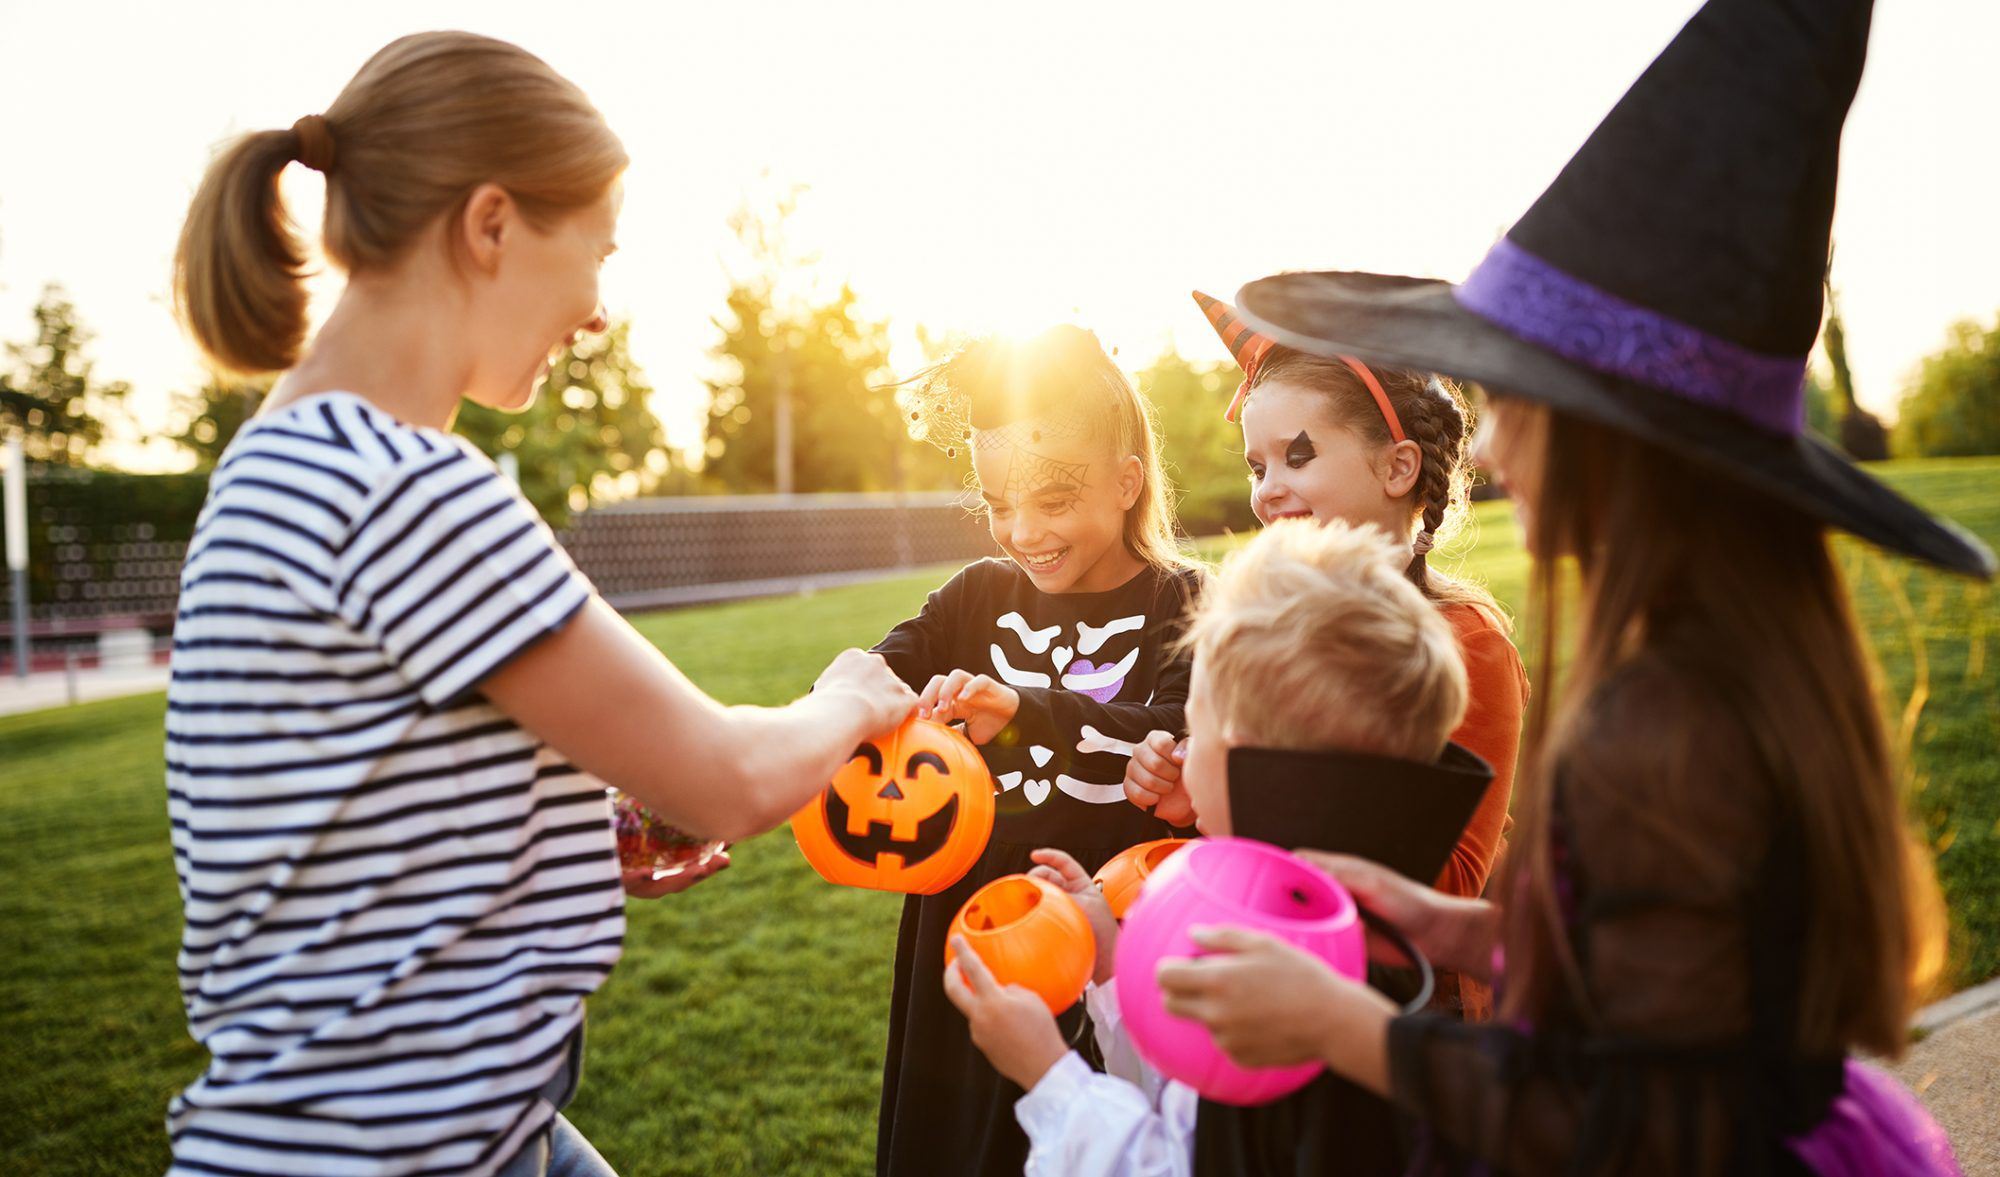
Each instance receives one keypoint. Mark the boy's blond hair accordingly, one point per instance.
(1311, 638)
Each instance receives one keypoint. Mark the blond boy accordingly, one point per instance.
(1309, 639)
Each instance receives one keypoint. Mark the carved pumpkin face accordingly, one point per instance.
(911, 812)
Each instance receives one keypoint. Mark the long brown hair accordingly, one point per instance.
(996, 381)
(1652, 537)
(428, 119)
(1434, 415)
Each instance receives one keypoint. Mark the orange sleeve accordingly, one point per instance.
(1497, 696)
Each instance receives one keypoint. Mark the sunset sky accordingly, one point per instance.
(984, 166)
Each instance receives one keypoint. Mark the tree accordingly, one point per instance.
(792, 360)
(590, 432)
(1953, 405)
(1820, 417)
(1860, 433)
(1202, 453)
(214, 412)
(51, 395)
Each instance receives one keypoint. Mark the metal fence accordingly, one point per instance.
(641, 554)
(654, 553)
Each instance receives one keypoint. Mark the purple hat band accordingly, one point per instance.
(1532, 300)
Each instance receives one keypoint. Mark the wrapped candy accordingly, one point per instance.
(645, 843)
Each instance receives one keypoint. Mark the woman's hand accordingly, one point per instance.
(1010, 1024)
(1065, 872)
(1268, 1004)
(640, 884)
(885, 700)
(1452, 933)
(985, 704)
(1153, 778)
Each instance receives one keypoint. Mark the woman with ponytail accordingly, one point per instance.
(395, 704)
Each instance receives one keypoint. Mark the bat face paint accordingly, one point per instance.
(1304, 465)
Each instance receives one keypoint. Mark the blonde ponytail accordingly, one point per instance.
(240, 267)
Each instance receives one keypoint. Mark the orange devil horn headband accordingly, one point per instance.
(1250, 348)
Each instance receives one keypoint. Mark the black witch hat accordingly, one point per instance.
(1668, 283)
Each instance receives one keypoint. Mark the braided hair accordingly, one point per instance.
(1435, 416)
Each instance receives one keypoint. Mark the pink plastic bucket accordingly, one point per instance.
(1246, 884)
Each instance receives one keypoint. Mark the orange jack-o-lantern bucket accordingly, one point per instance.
(1121, 878)
(1029, 933)
(910, 812)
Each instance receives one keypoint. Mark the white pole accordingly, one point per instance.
(784, 440)
(15, 506)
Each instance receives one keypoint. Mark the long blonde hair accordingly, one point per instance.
(428, 119)
(1656, 537)
(996, 381)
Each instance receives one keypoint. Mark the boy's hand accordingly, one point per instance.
(1065, 872)
(1268, 1004)
(985, 704)
(1153, 778)
(640, 884)
(1010, 1024)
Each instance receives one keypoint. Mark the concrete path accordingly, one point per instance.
(54, 688)
(1955, 1070)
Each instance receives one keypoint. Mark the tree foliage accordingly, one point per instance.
(1857, 430)
(48, 391)
(1202, 453)
(821, 358)
(211, 415)
(1953, 406)
(590, 433)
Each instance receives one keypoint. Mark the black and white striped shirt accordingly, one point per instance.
(396, 899)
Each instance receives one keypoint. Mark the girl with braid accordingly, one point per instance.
(1332, 438)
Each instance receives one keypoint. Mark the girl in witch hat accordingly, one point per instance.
(1712, 901)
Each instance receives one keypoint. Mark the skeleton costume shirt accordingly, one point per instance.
(1095, 674)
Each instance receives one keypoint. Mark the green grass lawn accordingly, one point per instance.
(743, 1031)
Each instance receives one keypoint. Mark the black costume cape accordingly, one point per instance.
(1403, 814)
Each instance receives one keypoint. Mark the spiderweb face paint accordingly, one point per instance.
(1030, 474)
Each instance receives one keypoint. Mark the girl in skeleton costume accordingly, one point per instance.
(1055, 659)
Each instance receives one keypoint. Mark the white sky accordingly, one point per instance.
(975, 166)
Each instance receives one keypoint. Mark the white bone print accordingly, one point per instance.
(1016, 678)
(1091, 638)
(1085, 791)
(1096, 741)
(1035, 791)
(1101, 676)
(1036, 641)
